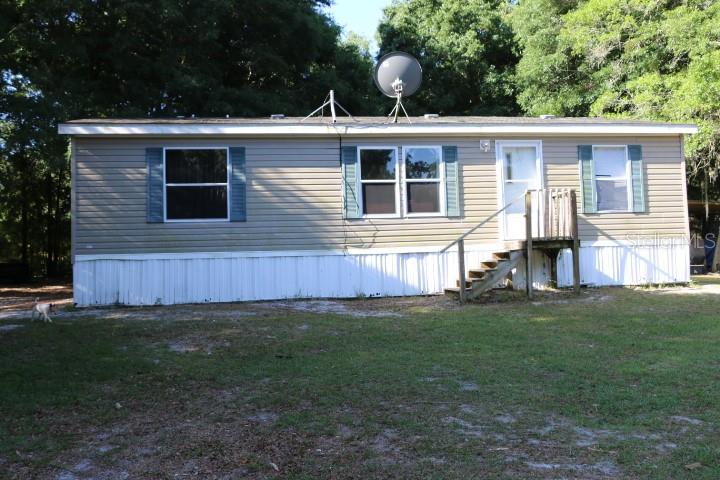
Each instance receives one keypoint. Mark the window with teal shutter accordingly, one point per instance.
(612, 178)
(155, 206)
(638, 178)
(587, 178)
(351, 188)
(452, 180)
(238, 185)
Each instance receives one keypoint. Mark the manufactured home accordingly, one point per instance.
(215, 210)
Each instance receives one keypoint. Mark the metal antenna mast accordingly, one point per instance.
(331, 102)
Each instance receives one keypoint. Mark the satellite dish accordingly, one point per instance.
(398, 71)
(398, 74)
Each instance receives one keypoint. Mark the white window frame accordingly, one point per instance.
(440, 180)
(226, 185)
(627, 178)
(396, 181)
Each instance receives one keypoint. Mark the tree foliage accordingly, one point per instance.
(136, 58)
(63, 59)
(465, 48)
(649, 59)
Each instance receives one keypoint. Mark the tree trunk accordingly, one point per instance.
(49, 230)
(25, 214)
(24, 231)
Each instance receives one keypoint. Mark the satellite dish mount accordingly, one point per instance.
(398, 86)
(398, 74)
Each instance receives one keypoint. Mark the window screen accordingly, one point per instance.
(378, 176)
(611, 178)
(196, 184)
(422, 179)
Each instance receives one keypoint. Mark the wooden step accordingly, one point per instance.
(501, 255)
(478, 272)
(468, 282)
(455, 291)
(487, 277)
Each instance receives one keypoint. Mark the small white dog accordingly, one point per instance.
(43, 311)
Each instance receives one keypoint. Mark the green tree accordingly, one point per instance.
(64, 59)
(656, 59)
(549, 77)
(466, 50)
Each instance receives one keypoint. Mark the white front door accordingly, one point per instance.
(519, 169)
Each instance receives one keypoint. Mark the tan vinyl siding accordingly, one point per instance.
(662, 158)
(294, 197)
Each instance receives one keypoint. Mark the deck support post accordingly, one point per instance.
(461, 268)
(576, 241)
(528, 244)
(552, 255)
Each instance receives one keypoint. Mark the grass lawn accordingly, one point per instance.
(616, 383)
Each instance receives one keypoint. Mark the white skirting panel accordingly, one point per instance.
(627, 265)
(226, 277)
(169, 279)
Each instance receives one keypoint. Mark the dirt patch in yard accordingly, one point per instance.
(16, 302)
(20, 298)
(702, 285)
(207, 438)
(375, 307)
(353, 309)
(184, 438)
(366, 388)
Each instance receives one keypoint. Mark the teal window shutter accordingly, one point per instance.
(587, 180)
(238, 185)
(638, 180)
(155, 185)
(452, 180)
(351, 183)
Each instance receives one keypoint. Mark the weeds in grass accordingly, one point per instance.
(616, 383)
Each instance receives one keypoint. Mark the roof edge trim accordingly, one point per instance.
(364, 130)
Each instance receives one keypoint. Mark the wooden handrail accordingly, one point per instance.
(495, 214)
(556, 213)
(460, 241)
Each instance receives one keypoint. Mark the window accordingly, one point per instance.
(423, 185)
(196, 184)
(378, 179)
(611, 178)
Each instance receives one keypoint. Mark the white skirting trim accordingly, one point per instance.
(628, 265)
(148, 280)
(226, 279)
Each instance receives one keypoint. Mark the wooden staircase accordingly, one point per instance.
(489, 275)
(553, 229)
